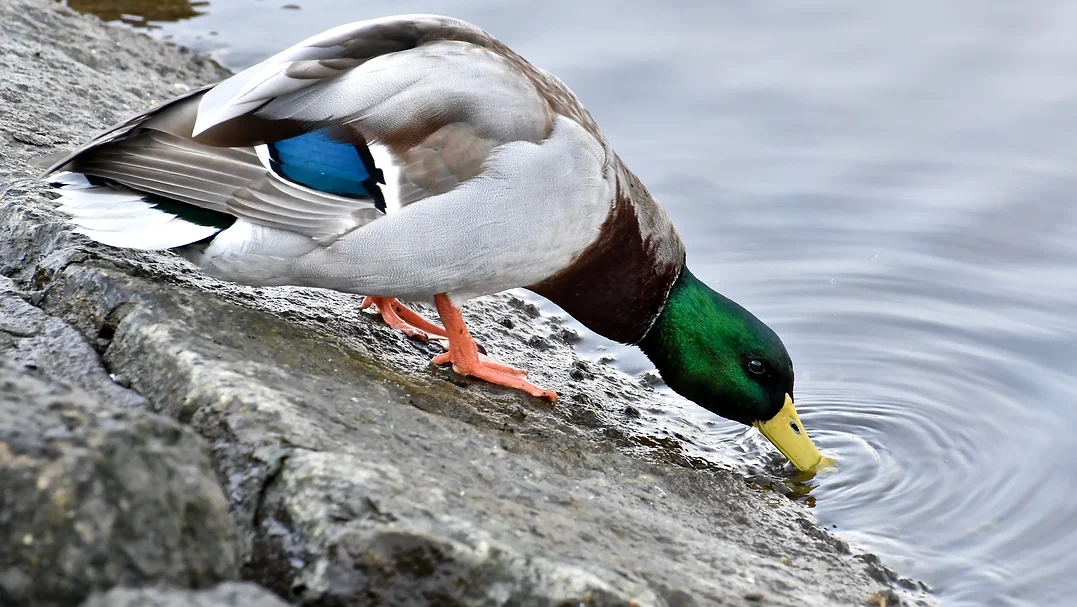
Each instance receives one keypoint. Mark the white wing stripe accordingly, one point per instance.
(124, 218)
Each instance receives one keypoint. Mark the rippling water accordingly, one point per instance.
(890, 186)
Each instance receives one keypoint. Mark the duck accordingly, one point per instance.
(419, 158)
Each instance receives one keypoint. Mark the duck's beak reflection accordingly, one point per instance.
(791, 438)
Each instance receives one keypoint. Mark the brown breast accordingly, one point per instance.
(618, 285)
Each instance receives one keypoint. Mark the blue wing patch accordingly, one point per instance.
(322, 163)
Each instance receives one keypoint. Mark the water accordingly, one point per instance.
(890, 186)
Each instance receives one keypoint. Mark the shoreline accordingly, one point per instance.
(283, 438)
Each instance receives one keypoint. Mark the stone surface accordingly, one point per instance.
(93, 495)
(229, 594)
(356, 474)
(32, 338)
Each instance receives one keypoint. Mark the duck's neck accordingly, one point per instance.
(619, 284)
(678, 341)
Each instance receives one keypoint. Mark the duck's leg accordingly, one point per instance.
(466, 360)
(403, 318)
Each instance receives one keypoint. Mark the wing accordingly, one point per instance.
(431, 96)
(301, 140)
(154, 155)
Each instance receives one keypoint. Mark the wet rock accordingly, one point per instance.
(527, 307)
(878, 571)
(539, 342)
(884, 598)
(568, 335)
(92, 496)
(353, 472)
(581, 371)
(230, 594)
(650, 379)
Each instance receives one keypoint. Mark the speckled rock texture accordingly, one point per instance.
(96, 495)
(353, 473)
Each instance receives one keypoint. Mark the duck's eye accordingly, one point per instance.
(757, 366)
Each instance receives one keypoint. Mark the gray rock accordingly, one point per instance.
(92, 496)
(364, 541)
(229, 594)
(32, 338)
(355, 472)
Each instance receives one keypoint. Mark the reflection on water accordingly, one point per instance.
(141, 13)
(890, 186)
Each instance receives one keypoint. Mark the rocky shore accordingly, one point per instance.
(169, 439)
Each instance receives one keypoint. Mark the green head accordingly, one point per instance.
(715, 353)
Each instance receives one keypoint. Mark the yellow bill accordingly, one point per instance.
(791, 438)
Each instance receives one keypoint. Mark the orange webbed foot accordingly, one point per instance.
(486, 361)
(403, 319)
(464, 355)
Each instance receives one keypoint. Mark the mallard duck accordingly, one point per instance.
(417, 157)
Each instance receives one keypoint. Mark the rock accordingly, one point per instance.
(230, 594)
(355, 473)
(32, 338)
(884, 598)
(360, 537)
(92, 496)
